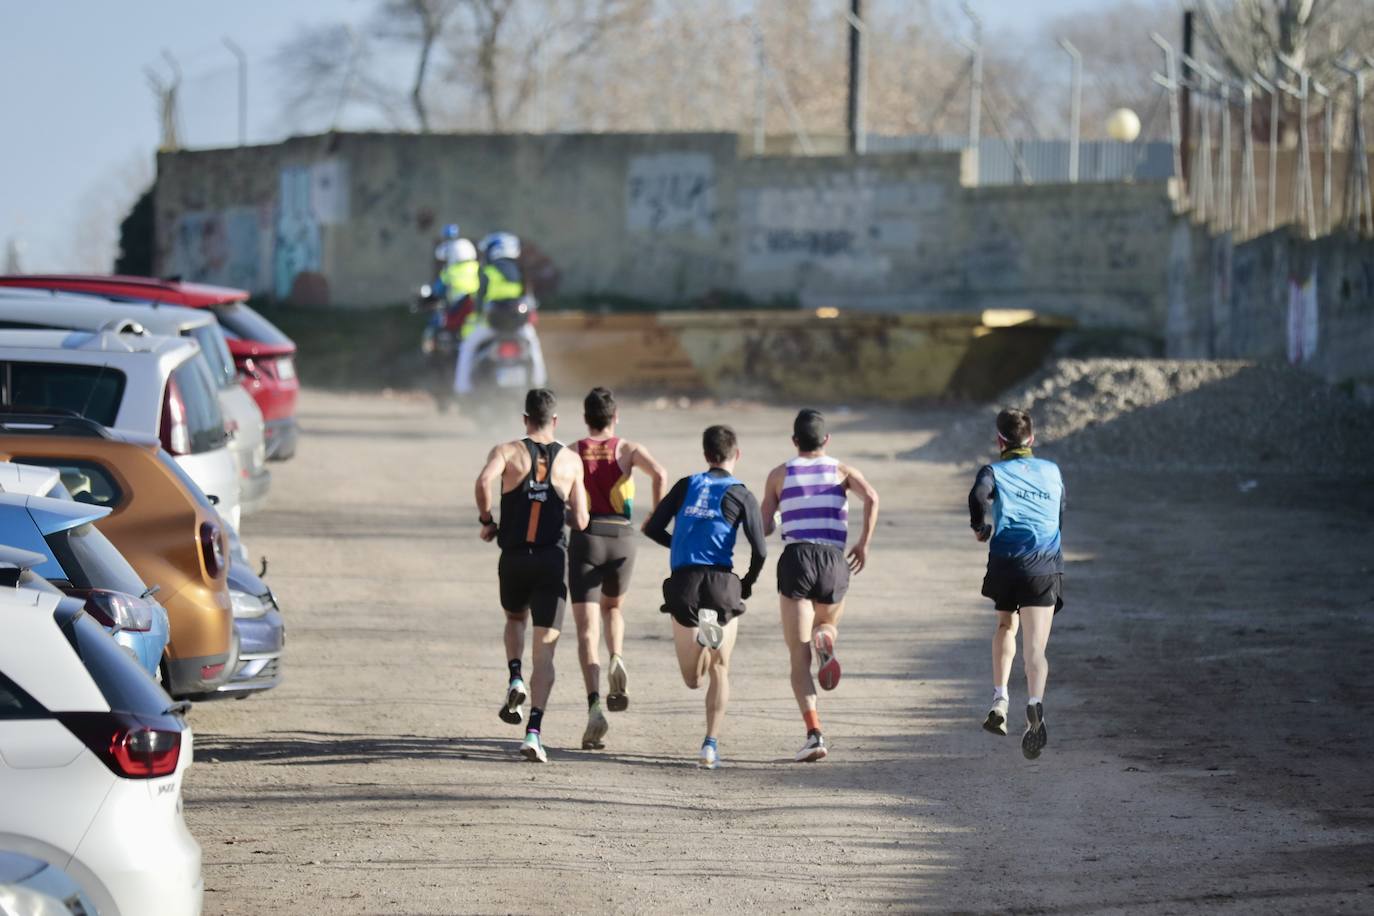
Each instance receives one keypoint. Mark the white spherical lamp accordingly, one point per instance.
(1124, 125)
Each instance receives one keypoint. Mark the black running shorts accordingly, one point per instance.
(814, 572)
(1011, 592)
(692, 588)
(532, 578)
(601, 560)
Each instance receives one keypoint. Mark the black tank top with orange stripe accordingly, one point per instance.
(533, 514)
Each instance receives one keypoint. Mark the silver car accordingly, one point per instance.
(34, 309)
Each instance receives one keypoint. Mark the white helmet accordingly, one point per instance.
(455, 251)
(500, 245)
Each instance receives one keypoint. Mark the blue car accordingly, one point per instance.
(82, 562)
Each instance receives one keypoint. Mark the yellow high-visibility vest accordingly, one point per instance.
(498, 287)
(461, 279)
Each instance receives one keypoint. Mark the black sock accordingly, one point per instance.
(536, 719)
(813, 731)
(514, 665)
(592, 698)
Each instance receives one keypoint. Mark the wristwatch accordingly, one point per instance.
(488, 520)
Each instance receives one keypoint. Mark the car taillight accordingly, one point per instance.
(212, 548)
(175, 433)
(286, 368)
(119, 610)
(128, 745)
(508, 349)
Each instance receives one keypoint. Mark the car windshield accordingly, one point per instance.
(216, 352)
(93, 392)
(240, 322)
(204, 420)
(126, 686)
(91, 561)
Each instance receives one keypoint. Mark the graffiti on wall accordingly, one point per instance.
(844, 229)
(224, 247)
(309, 198)
(671, 192)
(1302, 318)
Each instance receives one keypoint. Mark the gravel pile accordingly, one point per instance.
(1181, 414)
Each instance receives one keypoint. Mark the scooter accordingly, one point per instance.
(505, 362)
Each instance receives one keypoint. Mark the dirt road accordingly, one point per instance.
(1209, 676)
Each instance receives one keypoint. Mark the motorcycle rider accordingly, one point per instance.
(456, 286)
(499, 282)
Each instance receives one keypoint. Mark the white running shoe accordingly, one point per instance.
(532, 749)
(597, 726)
(709, 631)
(996, 722)
(513, 713)
(813, 750)
(709, 758)
(617, 678)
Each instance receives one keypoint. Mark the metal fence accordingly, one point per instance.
(1045, 161)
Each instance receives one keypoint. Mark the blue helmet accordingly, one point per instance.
(451, 231)
(499, 245)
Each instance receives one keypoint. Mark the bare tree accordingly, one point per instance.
(1256, 35)
(420, 23)
(327, 67)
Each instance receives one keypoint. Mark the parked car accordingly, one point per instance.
(171, 534)
(33, 887)
(26, 309)
(261, 634)
(143, 383)
(266, 358)
(37, 514)
(95, 756)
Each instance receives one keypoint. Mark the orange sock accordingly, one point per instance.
(812, 720)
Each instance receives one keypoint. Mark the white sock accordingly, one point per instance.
(1032, 701)
(1000, 693)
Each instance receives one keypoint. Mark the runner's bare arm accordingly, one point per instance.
(491, 473)
(579, 512)
(772, 496)
(640, 458)
(857, 483)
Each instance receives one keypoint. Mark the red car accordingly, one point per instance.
(264, 355)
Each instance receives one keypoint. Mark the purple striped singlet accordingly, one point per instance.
(815, 507)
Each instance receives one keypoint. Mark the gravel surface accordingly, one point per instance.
(1180, 414)
(1208, 750)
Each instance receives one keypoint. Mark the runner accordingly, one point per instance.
(1025, 566)
(813, 575)
(703, 595)
(601, 559)
(541, 483)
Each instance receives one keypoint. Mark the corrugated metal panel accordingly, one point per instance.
(1046, 161)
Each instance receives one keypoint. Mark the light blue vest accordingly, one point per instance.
(701, 535)
(1026, 509)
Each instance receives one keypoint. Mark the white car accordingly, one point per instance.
(93, 754)
(32, 309)
(144, 383)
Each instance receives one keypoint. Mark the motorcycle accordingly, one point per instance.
(439, 344)
(504, 363)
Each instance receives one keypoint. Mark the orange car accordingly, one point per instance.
(171, 534)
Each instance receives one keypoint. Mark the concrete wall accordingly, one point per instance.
(668, 218)
(1275, 297)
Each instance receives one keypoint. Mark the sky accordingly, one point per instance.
(83, 126)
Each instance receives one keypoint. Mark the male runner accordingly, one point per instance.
(541, 492)
(812, 490)
(1025, 566)
(601, 559)
(703, 595)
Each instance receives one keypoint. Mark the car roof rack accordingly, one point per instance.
(50, 421)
